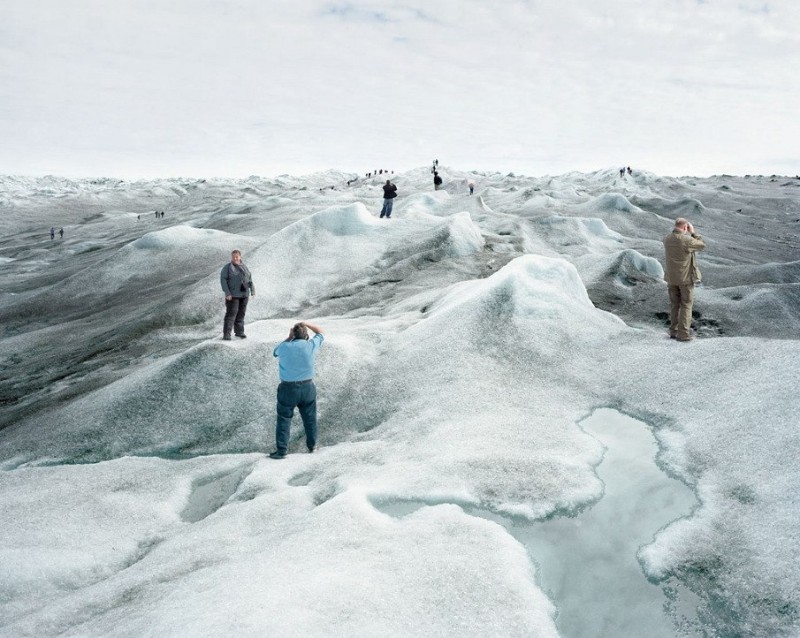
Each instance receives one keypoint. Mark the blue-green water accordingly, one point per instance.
(587, 564)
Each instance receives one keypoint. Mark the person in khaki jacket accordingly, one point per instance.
(681, 274)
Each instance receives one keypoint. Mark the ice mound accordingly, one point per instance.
(171, 189)
(174, 408)
(342, 221)
(336, 253)
(531, 295)
(421, 203)
(463, 236)
(609, 202)
(533, 287)
(576, 235)
(347, 259)
(180, 237)
(539, 203)
(210, 399)
(142, 263)
(752, 275)
(626, 268)
(688, 207)
(479, 337)
(765, 310)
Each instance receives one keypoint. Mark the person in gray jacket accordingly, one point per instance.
(237, 284)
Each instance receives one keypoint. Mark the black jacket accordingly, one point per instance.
(389, 191)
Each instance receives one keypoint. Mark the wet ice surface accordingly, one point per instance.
(465, 342)
(587, 563)
(209, 494)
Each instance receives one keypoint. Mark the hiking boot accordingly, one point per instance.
(312, 449)
(242, 336)
(684, 339)
(277, 455)
(226, 337)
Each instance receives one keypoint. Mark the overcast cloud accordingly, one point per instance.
(139, 88)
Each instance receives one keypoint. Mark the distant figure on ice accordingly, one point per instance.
(630, 172)
(471, 185)
(389, 193)
(52, 232)
(681, 274)
(61, 233)
(138, 217)
(156, 214)
(162, 213)
(622, 172)
(237, 284)
(437, 181)
(296, 357)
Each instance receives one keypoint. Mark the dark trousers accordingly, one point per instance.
(302, 396)
(234, 316)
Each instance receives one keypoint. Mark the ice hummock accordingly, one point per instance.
(467, 337)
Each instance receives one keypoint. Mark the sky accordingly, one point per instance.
(212, 88)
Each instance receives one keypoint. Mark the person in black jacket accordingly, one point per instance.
(237, 284)
(389, 193)
(437, 181)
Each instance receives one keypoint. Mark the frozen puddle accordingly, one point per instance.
(587, 564)
(210, 493)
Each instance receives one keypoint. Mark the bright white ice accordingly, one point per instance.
(467, 338)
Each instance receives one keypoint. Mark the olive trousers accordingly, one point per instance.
(681, 299)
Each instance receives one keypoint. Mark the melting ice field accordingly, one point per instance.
(587, 561)
(468, 340)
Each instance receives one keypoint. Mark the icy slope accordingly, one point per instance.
(466, 339)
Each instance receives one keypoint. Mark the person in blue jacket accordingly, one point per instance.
(237, 284)
(296, 357)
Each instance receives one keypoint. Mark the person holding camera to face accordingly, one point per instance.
(237, 284)
(681, 274)
(296, 357)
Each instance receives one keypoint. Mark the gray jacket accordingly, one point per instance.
(236, 280)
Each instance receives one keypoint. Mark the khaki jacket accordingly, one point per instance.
(679, 250)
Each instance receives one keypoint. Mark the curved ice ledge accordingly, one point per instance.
(587, 564)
